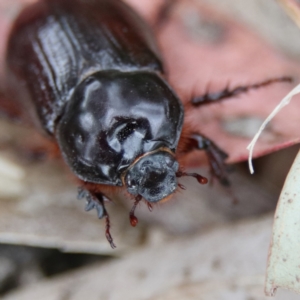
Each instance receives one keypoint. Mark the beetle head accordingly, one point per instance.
(153, 176)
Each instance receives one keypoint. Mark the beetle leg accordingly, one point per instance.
(228, 93)
(215, 155)
(96, 200)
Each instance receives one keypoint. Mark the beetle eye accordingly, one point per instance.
(153, 178)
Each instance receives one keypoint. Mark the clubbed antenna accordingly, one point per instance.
(200, 179)
(133, 219)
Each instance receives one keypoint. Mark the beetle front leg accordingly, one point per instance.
(226, 93)
(96, 200)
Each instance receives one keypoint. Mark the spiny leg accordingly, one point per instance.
(96, 200)
(228, 93)
(215, 155)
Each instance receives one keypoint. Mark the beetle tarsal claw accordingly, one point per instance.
(100, 211)
(96, 200)
(93, 200)
(89, 205)
(82, 193)
(107, 232)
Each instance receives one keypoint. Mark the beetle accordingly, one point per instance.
(89, 75)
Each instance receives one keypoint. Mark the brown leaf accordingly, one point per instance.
(204, 50)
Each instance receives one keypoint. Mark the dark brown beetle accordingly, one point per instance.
(88, 73)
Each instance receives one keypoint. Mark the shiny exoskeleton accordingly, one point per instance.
(88, 73)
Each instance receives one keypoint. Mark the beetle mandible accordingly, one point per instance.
(89, 75)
